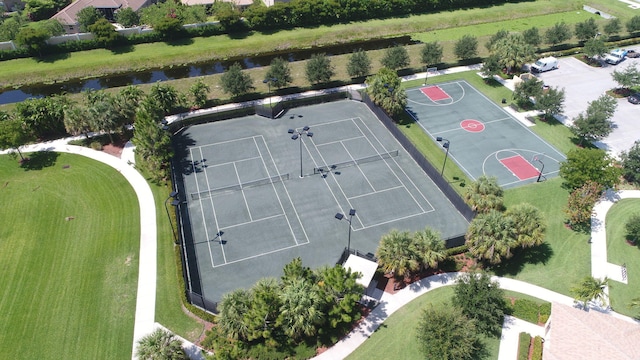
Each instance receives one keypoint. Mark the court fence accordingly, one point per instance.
(424, 164)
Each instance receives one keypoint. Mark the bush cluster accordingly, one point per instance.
(523, 346)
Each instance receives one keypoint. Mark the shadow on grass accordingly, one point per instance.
(52, 58)
(39, 160)
(536, 255)
(179, 42)
(122, 49)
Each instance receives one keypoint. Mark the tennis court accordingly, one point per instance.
(482, 138)
(247, 211)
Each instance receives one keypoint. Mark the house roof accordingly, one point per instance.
(208, 2)
(67, 16)
(586, 335)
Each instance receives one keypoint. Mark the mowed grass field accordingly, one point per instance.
(68, 287)
(620, 252)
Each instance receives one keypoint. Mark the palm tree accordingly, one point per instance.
(490, 237)
(484, 194)
(528, 223)
(513, 51)
(263, 310)
(301, 310)
(233, 307)
(395, 253)
(589, 289)
(160, 345)
(429, 247)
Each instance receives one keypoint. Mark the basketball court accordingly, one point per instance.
(483, 139)
(260, 192)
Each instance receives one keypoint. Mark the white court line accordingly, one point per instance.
(358, 166)
(261, 254)
(204, 220)
(285, 189)
(246, 204)
(450, 154)
(253, 221)
(457, 128)
(215, 217)
(377, 192)
(400, 167)
(225, 142)
(232, 162)
(518, 181)
(339, 141)
(396, 219)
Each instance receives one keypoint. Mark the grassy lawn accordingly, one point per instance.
(619, 252)
(68, 287)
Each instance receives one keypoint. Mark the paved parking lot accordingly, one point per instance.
(582, 84)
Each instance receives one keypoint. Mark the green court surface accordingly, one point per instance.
(241, 179)
(483, 138)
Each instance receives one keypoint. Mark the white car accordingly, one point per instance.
(615, 56)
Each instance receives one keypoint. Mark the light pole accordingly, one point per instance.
(268, 82)
(446, 146)
(340, 216)
(175, 202)
(219, 237)
(295, 135)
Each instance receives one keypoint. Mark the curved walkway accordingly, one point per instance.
(146, 293)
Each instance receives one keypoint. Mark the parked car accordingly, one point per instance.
(545, 64)
(615, 56)
(634, 98)
(633, 54)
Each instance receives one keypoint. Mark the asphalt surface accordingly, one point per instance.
(583, 84)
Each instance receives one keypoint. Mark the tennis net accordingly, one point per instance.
(355, 162)
(237, 187)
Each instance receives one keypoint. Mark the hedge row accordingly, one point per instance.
(537, 348)
(530, 311)
(523, 346)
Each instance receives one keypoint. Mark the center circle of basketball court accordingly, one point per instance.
(472, 125)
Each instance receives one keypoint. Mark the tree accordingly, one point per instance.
(395, 254)
(529, 224)
(77, 120)
(589, 164)
(153, 144)
(263, 311)
(532, 36)
(631, 163)
(32, 39)
(445, 334)
(501, 34)
(395, 57)
(633, 228)
(88, 16)
(482, 300)
(160, 345)
(590, 289)
(431, 53)
(301, 309)
(127, 17)
(169, 27)
(466, 47)
(428, 247)
(527, 89)
(199, 92)
(101, 112)
(491, 67)
(595, 123)
(230, 18)
(587, 29)
(484, 194)
(359, 64)
(385, 91)
(513, 52)
(279, 73)
(633, 25)
(580, 205)
(594, 47)
(236, 82)
(318, 69)
(612, 27)
(341, 293)
(104, 32)
(43, 117)
(491, 237)
(232, 308)
(628, 78)
(53, 27)
(13, 135)
(37, 10)
(10, 27)
(558, 33)
(551, 102)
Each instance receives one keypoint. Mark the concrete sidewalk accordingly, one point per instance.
(510, 338)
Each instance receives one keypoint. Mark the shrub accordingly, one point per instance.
(95, 145)
(523, 346)
(457, 250)
(633, 228)
(526, 310)
(537, 348)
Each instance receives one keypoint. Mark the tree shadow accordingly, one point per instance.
(52, 58)
(122, 49)
(536, 255)
(179, 42)
(39, 160)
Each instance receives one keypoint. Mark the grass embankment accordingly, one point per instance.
(620, 252)
(68, 286)
(427, 27)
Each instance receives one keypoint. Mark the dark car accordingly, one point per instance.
(634, 98)
(633, 54)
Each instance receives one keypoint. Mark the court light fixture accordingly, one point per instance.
(446, 145)
(297, 135)
(340, 216)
